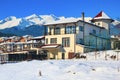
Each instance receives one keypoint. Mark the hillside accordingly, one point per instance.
(30, 25)
(34, 30)
(6, 35)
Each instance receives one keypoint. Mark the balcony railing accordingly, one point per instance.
(62, 33)
(98, 35)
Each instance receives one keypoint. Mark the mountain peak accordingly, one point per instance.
(10, 18)
(32, 16)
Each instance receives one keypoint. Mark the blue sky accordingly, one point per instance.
(67, 8)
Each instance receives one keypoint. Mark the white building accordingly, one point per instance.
(65, 38)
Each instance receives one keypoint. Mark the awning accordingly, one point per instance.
(50, 46)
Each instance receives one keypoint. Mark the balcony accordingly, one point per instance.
(62, 33)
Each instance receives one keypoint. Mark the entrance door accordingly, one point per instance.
(63, 55)
(70, 55)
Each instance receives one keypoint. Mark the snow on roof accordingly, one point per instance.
(38, 37)
(7, 43)
(19, 42)
(117, 26)
(116, 22)
(12, 37)
(102, 15)
(68, 20)
(26, 36)
(4, 38)
(50, 46)
(32, 41)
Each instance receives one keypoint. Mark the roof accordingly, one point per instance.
(72, 20)
(68, 20)
(38, 38)
(117, 26)
(116, 22)
(102, 15)
(50, 46)
(7, 43)
(25, 36)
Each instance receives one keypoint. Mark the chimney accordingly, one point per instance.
(83, 17)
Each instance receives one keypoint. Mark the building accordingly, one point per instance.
(65, 38)
(115, 42)
(21, 48)
(115, 35)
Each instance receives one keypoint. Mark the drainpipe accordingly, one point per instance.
(83, 18)
(75, 40)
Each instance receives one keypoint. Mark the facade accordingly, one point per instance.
(63, 39)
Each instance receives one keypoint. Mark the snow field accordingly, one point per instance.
(74, 69)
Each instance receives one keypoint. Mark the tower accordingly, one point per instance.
(102, 20)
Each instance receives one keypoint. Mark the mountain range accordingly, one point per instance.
(32, 25)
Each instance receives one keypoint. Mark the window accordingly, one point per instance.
(46, 40)
(50, 31)
(94, 31)
(80, 28)
(53, 40)
(98, 24)
(81, 41)
(70, 29)
(66, 42)
(56, 30)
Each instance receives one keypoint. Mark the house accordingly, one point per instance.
(21, 48)
(65, 38)
(115, 42)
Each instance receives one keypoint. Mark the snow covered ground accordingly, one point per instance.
(74, 69)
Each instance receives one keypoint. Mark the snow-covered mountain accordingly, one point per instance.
(32, 25)
(26, 25)
(34, 19)
(115, 28)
